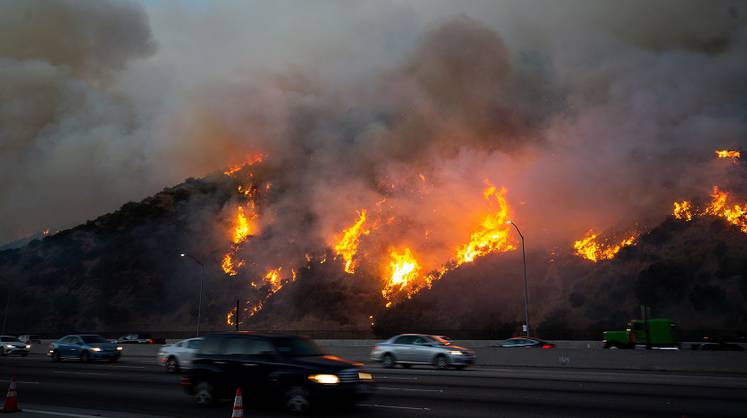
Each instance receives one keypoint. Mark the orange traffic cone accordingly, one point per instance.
(238, 405)
(11, 399)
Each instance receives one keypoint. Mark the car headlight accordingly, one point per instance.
(325, 379)
(95, 349)
(9, 345)
(455, 353)
(119, 348)
(28, 345)
(365, 376)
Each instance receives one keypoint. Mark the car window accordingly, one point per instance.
(297, 347)
(421, 341)
(236, 346)
(194, 344)
(180, 344)
(211, 345)
(94, 339)
(510, 342)
(405, 339)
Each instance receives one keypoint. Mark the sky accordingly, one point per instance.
(590, 114)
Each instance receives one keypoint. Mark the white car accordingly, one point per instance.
(12, 345)
(178, 356)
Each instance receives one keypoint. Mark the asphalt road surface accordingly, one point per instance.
(139, 387)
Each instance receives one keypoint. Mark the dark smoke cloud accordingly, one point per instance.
(591, 115)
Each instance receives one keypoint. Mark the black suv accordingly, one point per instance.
(285, 368)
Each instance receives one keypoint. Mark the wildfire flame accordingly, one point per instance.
(733, 154)
(243, 227)
(250, 160)
(593, 250)
(493, 234)
(403, 270)
(347, 247)
(683, 210)
(735, 214)
(229, 267)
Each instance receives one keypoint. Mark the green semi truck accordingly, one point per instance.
(654, 333)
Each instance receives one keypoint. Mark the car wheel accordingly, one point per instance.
(388, 361)
(297, 400)
(172, 366)
(56, 356)
(2, 351)
(204, 394)
(441, 362)
(85, 357)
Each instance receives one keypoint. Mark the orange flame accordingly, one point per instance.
(733, 154)
(493, 234)
(250, 160)
(347, 247)
(735, 214)
(229, 267)
(244, 226)
(402, 272)
(683, 211)
(590, 249)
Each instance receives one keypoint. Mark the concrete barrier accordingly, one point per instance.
(568, 354)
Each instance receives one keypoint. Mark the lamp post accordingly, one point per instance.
(526, 287)
(202, 277)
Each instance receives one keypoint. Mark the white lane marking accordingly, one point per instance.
(83, 373)
(128, 367)
(60, 414)
(413, 389)
(20, 381)
(396, 378)
(411, 408)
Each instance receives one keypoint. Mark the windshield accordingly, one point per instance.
(92, 339)
(297, 347)
(440, 340)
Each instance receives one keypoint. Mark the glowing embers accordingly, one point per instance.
(594, 249)
(732, 154)
(347, 246)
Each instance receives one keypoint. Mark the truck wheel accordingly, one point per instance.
(613, 347)
(204, 394)
(297, 400)
(388, 361)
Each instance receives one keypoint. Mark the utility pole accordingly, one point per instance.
(202, 279)
(236, 316)
(526, 286)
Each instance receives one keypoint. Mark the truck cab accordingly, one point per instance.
(662, 333)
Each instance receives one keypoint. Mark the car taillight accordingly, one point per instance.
(151, 341)
(546, 346)
(186, 381)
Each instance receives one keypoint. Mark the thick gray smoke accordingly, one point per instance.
(591, 115)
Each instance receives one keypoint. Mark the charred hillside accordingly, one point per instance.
(694, 272)
(121, 271)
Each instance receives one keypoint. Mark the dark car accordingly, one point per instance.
(140, 339)
(288, 369)
(84, 347)
(525, 342)
(719, 346)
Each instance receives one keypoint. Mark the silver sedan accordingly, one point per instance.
(409, 349)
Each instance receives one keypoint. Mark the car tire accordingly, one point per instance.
(297, 400)
(204, 394)
(2, 352)
(172, 366)
(56, 356)
(441, 362)
(85, 357)
(388, 361)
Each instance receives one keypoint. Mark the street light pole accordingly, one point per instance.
(526, 287)
(202, 278)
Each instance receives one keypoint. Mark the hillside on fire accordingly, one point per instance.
(123, 271)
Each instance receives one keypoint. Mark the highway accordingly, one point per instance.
(137, 386)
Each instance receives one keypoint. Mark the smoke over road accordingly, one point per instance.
(591, 116)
